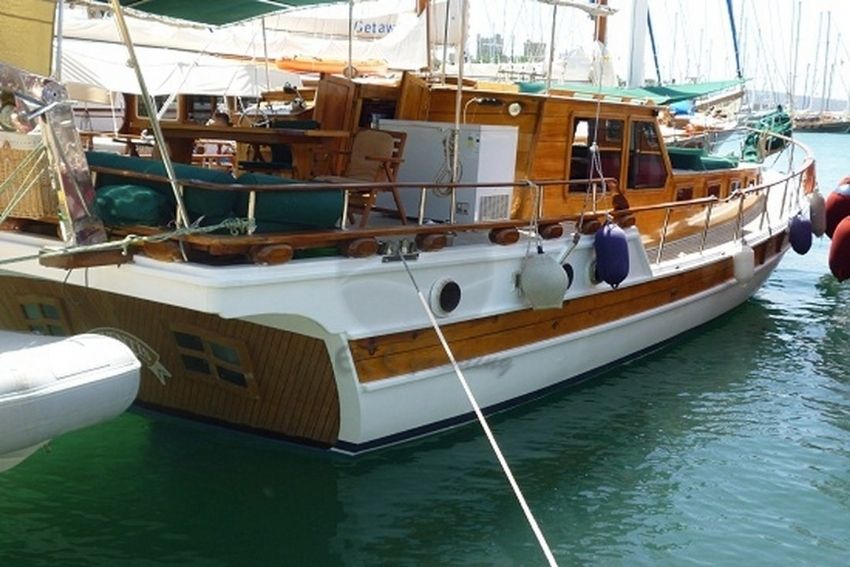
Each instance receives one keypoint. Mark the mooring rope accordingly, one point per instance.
(478, 413)
(234, 225)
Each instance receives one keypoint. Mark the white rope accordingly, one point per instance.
(235, 226)
(541, 540)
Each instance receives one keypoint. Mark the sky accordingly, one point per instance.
(693, 38)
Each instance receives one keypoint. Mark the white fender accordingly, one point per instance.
(817, 213)
(543, 282)
(744, 262)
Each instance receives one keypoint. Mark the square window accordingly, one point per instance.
(50, 312)
(56, 330)
(195, 364)
(32, 311)
(191, 342)
(224, 353)
(232, 376)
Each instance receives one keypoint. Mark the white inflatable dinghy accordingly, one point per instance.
(53, 385)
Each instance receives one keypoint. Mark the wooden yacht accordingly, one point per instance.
(570, 239)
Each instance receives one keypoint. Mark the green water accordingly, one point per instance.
(729, 447)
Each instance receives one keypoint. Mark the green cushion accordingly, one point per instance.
(199, 202)
(115, 161)
(132, 204)
(284, 211)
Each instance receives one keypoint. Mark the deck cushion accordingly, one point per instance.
(289, 210)
(132, 204)
(213, 205)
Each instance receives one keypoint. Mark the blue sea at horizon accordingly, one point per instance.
(731, 445)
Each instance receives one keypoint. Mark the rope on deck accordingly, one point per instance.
(236, 226)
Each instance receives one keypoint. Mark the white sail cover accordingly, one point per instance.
(167, 71)
(386, 30)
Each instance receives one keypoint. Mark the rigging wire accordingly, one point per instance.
(541, 539)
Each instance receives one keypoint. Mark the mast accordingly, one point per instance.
(638, 42)
(815, 67)
(824, 94)
(552, 47)
(652, 44)
(795, 58)
(734, 38)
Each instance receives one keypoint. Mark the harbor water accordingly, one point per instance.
(730, 445)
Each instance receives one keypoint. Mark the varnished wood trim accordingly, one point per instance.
(293, 395)
(382, 357)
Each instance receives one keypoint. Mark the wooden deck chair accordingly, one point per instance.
(375, 155)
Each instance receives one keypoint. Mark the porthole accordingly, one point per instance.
(592, 275)
(445, 297)
(568, 269)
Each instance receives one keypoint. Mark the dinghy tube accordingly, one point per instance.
(53, 385)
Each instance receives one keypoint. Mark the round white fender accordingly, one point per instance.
(744, 262)
(543, 282)
(817, 213)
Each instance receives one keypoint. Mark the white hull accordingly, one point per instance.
(393, 409)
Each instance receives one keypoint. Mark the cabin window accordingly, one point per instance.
(713, 190)
(170, 114)
(684, 193)
(607, 134)
(646, 164)
(373, 110)
(734, 186)
(215, 359)
(44, 316)
(199, 109)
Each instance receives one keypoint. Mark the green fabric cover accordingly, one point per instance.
(208, 203)
(534, 87)
(132, 204)
(118, 161)
(213, 12)
(659, 94)
(287, 211)
(685, 158)
(695, 159)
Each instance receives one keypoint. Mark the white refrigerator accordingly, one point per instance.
(487, 154)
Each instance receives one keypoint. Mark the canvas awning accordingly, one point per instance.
(213, 12)
(660, 95)
(167, 71)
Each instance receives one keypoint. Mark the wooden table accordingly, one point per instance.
(181, 138)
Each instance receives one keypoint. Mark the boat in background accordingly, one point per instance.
(822, 122)
(548, 235)
(53, 385)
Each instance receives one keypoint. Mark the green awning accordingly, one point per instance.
(660, 95)
(213, 12)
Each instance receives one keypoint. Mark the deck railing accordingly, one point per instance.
(799, 176)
